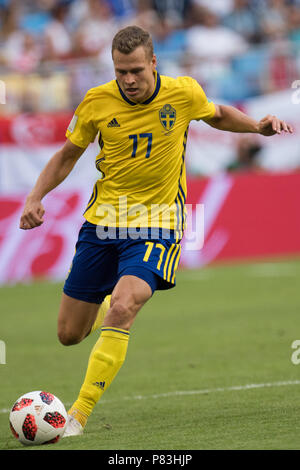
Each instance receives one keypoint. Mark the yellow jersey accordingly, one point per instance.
(142, 156)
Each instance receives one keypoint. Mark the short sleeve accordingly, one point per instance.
(82, 130)
(201, 106)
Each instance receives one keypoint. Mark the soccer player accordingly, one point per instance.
(129, 246)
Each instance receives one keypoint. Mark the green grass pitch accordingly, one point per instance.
(208, 366)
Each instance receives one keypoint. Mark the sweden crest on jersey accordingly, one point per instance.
(167, 116)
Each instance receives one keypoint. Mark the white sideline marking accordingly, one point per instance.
(214, 390)
(206, 391)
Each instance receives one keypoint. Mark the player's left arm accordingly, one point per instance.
(228, 118)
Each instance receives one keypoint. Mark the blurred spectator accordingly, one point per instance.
(280, 68)
(169, 41)
(9, 23)
(294, 24)
(20, 51)
(210, 45)
(208, 37)
(96, 29)
(273, 19)
(144, 16)
(122, 8)
(173, 12)
(169, 44)
(247, 154)
(244, 21)
(35, 15)
(58, 42)
(219, 7)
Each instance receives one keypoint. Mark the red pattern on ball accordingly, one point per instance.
(55, 419)
(19, 405)
(29, 427)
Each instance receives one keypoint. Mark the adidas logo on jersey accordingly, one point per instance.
(113, 123)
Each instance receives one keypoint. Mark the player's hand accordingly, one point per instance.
(32, 215)
(271, 125)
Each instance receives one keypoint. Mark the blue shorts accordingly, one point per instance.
(98, 263)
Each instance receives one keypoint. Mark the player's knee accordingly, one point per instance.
(68, 337)
(120, 315)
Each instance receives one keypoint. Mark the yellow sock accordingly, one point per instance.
(105, 361)
(101, 313)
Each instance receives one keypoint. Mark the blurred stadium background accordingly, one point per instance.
(243, 52)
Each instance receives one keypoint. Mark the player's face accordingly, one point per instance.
(135, 73)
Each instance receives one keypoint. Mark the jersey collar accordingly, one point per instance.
(148, 100)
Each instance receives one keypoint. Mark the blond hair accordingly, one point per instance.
(131, 37)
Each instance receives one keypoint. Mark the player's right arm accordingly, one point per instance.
(56, 170)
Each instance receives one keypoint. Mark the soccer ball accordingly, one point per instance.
(38, 418)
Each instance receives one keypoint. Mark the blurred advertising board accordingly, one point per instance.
(246, 216)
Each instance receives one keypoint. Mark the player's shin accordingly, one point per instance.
(105, 361)
(101, 313)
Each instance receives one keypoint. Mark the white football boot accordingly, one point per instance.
(73, 427)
